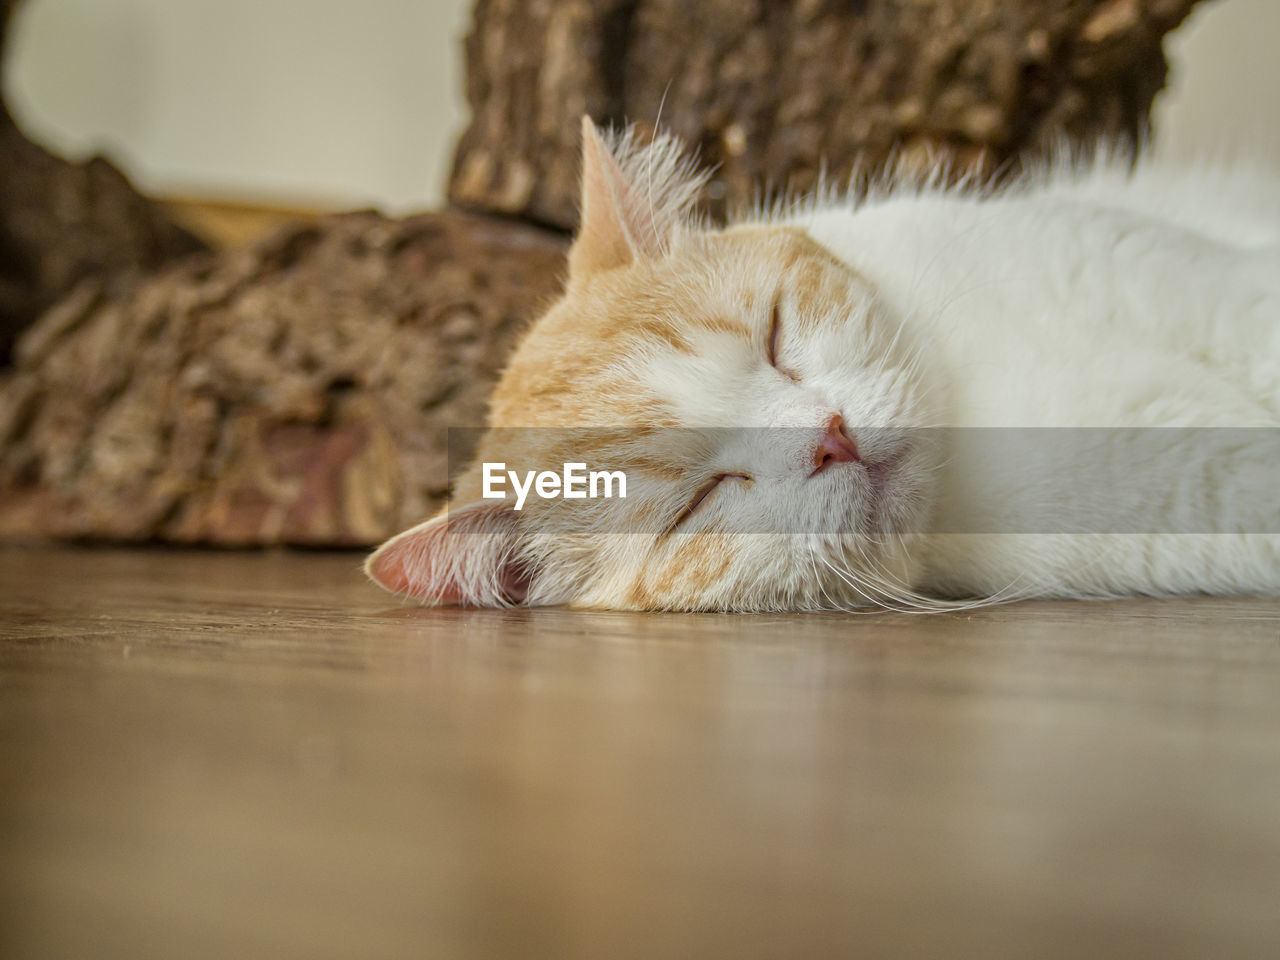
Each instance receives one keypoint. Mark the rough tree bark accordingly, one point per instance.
(296, 391)
(62, 222)
(771, 90)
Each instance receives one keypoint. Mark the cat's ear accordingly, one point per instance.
(465, 556)
(634, 197)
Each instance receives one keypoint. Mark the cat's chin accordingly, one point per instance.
(888, 492)
(883, 491)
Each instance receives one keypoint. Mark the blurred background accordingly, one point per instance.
(197, 348)
(328, 104)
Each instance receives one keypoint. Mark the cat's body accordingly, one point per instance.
(847, 331)
(1092, 298)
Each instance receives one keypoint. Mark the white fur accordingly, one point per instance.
(1092, 298)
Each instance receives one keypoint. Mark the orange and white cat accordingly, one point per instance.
(830, 339)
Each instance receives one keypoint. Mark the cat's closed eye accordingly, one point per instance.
(701, 494)
(775, 338)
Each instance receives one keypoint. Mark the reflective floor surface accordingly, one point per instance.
(260, 755)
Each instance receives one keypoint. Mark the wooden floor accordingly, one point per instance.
(258, 755)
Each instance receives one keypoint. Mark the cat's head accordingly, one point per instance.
(751, 387)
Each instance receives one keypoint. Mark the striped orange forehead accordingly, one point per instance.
(576, 365)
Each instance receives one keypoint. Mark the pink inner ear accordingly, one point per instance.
(515, 583)
(388, 568)
(433, 560)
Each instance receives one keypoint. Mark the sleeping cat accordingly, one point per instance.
(1105, 318)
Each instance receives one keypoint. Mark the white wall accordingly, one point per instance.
(357, 102)
(316, 102)
(1224, 91)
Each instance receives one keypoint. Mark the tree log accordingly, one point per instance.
(774, 91)
(296, 391)
(62, 222)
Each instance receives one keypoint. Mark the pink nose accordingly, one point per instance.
(836, 446)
